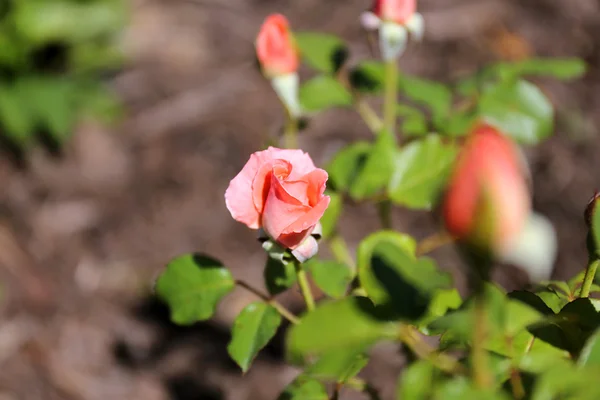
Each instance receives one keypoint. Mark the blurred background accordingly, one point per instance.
(122, 122)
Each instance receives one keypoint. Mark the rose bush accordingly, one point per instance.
(455, 147)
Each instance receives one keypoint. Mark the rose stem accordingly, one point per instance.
(433, 242)
(274, 303)
(289, 135)
(304, 286)
(390, 102)
(588, 279)
(411, 339)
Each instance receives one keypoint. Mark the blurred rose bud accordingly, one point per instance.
(279, 59)
(394, 19)
(281, 191)
(487, 202)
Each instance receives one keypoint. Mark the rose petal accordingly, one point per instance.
(309, 219)
(281, 209)
(262, 181)
(301, 162)
(239, 196)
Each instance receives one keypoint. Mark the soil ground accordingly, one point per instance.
(82, 235)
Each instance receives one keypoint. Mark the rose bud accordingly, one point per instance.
(281, 193)
(488, 206)
(487, 201)
(394, 19)
(279, 59)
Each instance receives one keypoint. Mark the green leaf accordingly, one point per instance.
(368, 77)
(590, 354)
(413, 122)
(327, 53)
(332, 214)
(192, 285)
(51, 101)
(462, 389)
(15, 117)
(252, 330)
(368, 280)
(331, 277)
(436, 96)
(279, 276)
(323, 92)
(519, 109)
(443, 301)
(346, 165)
(420, 172)
(568, 68)
(409, 284)
(304, 388)
(352, 322)
(532, 300)
(417, 382)
(338, 366)
(519, 315)
(377, 169)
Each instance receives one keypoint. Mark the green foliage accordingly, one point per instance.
(192, 285)
(323, 92)
(420, 172)
(254, 327)
(304, 388)
(536, 344)
(326, 53)
(331, 277)
(54, 54)
(327, 328)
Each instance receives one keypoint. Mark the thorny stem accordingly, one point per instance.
(391, 93)
(274, 303)
(433, 242)
(588, 279)
(411, 339)
(304, 286)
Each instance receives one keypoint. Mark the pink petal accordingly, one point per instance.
(239, 196)
(281, 209)
(309, 219)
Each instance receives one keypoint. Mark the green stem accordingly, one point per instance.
(588, 279)
(391, 96)
(411, 339)
(480, 360)
(369, 116)
(290, 133)
(285, 313)
(384, 209)
(304, 286)
(340, 251)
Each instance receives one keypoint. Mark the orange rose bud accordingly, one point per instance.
(487, 203)
(275, 47)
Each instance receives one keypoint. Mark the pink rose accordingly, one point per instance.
(275, 46)
(280, 191)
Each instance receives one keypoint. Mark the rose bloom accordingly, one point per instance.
(398, 11)
(275, 47)
(280, 191)
(487, 202)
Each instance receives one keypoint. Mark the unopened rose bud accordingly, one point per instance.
(279, 59)
(487, 202)
(394, 19)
